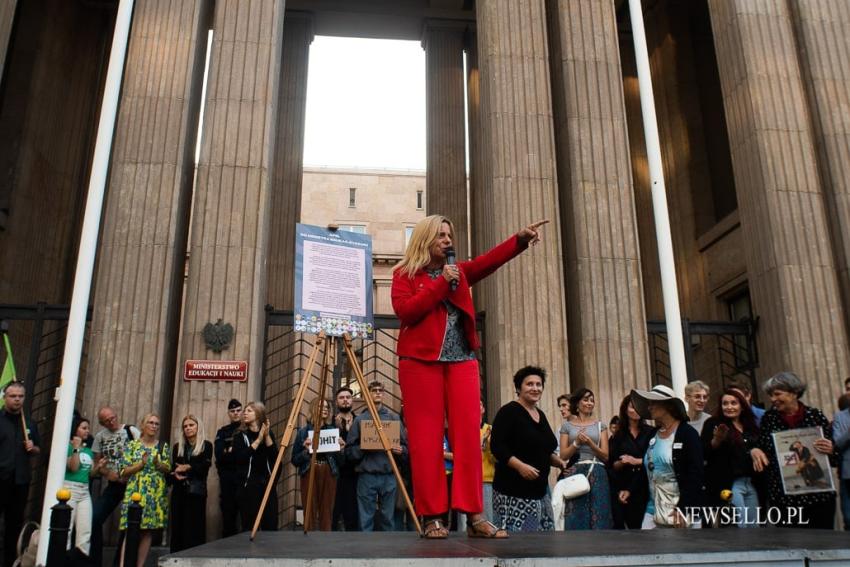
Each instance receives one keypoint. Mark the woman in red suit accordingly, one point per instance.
(438, 371)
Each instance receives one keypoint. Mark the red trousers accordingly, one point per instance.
(432, 391)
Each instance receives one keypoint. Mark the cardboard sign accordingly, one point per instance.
(328, 440)
(369, 440)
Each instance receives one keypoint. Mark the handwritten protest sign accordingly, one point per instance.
(369, 439)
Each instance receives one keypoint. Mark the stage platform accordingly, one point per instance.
(761, 547)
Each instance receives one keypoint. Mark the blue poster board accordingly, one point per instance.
(333, 282)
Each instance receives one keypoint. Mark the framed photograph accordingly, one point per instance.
(804, 470)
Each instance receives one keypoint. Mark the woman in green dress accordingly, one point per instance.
(145, 464)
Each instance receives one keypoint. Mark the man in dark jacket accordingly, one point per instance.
(19, 443)
(376, 483)
(227, 477)
(345, 507)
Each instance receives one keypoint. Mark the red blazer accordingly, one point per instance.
(418, 302)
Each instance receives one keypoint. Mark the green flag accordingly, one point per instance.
(8, 375)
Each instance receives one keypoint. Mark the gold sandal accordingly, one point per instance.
(485, 529)
(434, 529)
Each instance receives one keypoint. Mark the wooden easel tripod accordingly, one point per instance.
(329, 347)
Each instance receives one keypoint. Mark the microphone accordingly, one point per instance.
(450, 260)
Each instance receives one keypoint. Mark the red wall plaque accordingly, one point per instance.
(216, 370)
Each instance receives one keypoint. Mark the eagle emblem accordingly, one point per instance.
(218, 336)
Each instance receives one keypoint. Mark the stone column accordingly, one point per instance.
(7, 18)
(524, 300)
(473, 127)
(288, 168)
(825, 62)
(606, 319)
(141, 258)
(793, 277)
(446, 147)
(230, 218)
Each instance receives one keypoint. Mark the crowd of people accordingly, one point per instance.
(658, 464)
(354, 488)
(668, 465)
(662, 460)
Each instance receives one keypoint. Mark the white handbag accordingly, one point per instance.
(570, 487)
(575, 485)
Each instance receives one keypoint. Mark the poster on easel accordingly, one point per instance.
(333, 282)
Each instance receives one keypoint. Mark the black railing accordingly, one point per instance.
(714, 350)
(37, 333)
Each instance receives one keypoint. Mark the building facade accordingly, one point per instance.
(383, 203)
(752, 100)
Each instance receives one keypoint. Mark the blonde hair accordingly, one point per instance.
(200, 439)
(315, 406)
(145, 419)
(259, 413)
(695, 386)
(418, 252)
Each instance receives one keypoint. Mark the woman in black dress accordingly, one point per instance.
(629, 490)
(525, 447)
(191, 458)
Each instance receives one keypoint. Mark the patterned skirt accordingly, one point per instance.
(521, 514)
(593, 510)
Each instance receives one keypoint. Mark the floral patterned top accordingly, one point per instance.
(149, 482)
(455, 346)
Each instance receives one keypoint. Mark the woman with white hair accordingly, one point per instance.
(192, 458)
(813, 510)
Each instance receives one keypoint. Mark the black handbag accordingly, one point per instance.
(196, 487)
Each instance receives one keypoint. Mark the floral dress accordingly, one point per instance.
(149, 482)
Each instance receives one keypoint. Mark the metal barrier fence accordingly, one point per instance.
(37, 333)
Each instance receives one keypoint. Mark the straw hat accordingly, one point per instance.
(659, 393)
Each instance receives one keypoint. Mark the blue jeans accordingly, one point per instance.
(374, 491)
(845, 502)
(746, 500)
